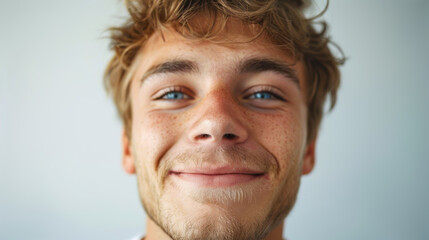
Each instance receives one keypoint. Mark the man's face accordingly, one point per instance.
(218, 135)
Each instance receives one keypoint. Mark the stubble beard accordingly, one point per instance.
(218, 223)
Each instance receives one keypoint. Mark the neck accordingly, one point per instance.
(276, 233)
(154, 232)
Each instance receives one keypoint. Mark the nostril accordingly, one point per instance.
(230, 136)
(203, 136)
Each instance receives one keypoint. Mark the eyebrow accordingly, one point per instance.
(251, 65)
(257, 65)
(171, 66)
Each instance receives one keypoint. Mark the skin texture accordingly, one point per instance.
(215, 115)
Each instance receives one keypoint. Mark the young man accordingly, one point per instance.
(221, 102)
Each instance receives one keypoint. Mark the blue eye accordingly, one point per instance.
(174, 96)
(263, 95)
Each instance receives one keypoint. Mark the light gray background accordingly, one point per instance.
(60, 172)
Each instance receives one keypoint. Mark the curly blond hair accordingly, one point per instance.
(282, 21)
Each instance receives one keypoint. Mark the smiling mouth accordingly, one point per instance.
(216, 180)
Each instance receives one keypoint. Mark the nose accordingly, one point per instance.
(217, 120)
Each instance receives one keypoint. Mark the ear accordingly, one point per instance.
(127, 155)
(309, 158)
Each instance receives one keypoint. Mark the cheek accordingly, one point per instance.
(154, 133)
(283, 135)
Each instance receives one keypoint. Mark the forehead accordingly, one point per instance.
(235, 39)
(233, 44)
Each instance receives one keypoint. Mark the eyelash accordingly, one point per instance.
(266, 89)
(174, 89)
(180, 90)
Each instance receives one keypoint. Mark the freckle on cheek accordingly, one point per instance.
(164, 124)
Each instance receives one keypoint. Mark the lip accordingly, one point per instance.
(215, 170)
(216, 177)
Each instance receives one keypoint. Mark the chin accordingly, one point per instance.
(207, 217)
(210, 222)
(203, 216)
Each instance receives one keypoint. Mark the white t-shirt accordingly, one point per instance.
(140, 236)
(137, 237)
